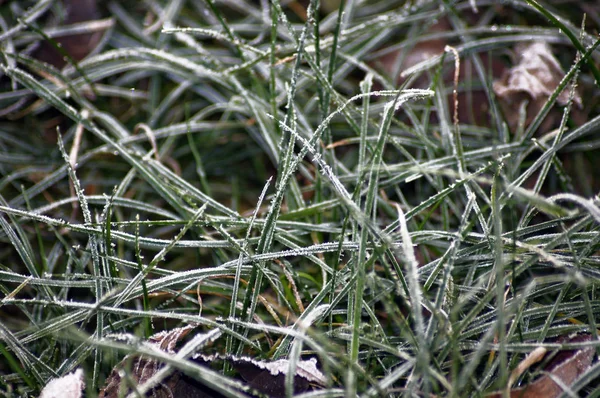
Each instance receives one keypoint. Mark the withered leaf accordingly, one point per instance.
(78, 46)
(566, 367)
(263, 377)
(268, 377)
(536, 74)
(143, 368)
(534, 78)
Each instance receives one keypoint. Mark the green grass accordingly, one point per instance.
(264, 172)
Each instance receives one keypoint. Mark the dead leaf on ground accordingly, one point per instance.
(78, 46)
(143, 368)
(264, 377)
(268, 377)
(534, 78)
(473, 106)
(566, 366)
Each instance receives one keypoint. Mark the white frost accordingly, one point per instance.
(69, 386)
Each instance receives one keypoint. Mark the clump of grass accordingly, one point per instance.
(261, 169)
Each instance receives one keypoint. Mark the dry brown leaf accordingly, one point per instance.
(473, 106)
(534, 78)
(268, 377)
(81, 14)
(143, 368)
(422, 51)
(78, 46)
(264, 377)
(566, 367)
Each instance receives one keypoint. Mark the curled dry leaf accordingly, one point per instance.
(264, 377)
(565, 367)
(69, 386)
(143, 368)
(534, 78)
(268, 377)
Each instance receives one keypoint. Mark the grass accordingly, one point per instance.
(258, 168)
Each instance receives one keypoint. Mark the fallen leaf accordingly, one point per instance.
(565, 367)
(263, 377)
(268, 377)
(473, 106)
(69, 386)
(534, 78)
(143, 368)
(78, 46)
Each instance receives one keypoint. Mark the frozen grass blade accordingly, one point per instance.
(428, 248)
